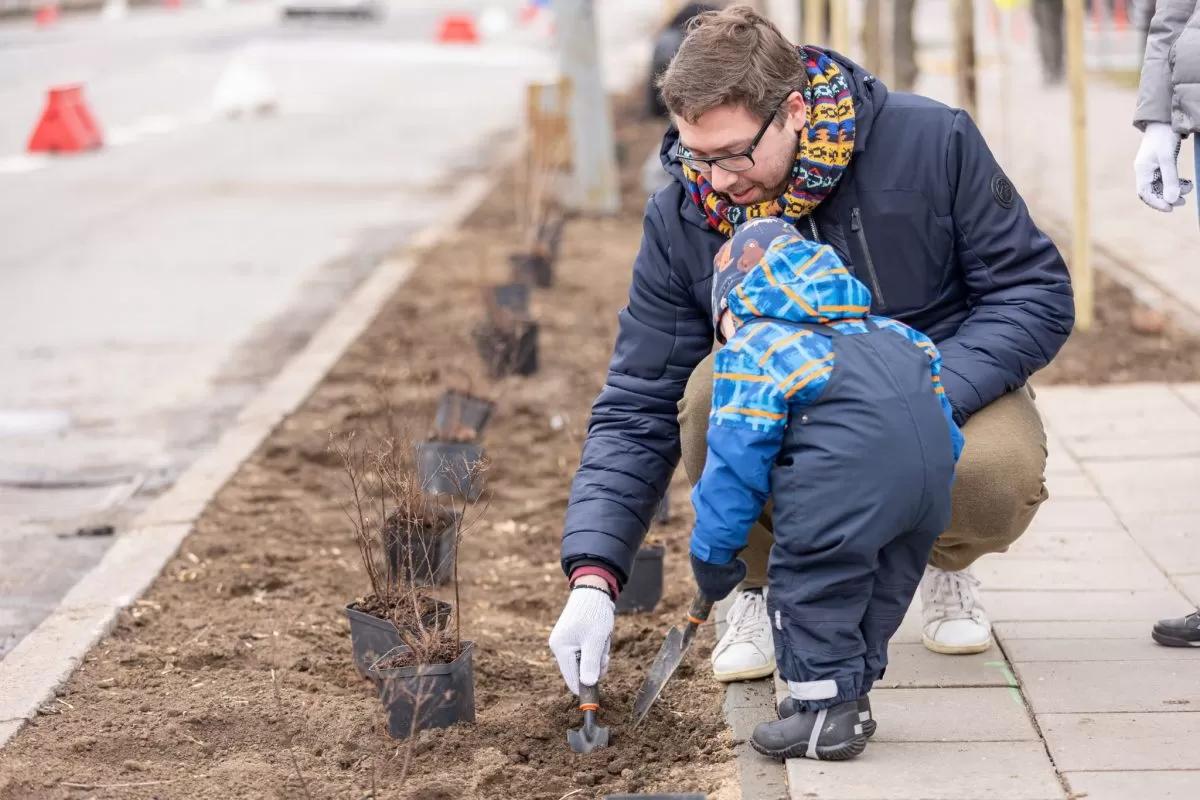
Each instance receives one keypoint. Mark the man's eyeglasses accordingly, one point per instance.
(735, 162)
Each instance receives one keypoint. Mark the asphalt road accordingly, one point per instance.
(149, 288)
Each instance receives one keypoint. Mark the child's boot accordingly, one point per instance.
(789, 706)
(831, 734)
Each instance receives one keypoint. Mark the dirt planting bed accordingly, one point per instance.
(1128, 342)
(233, 676)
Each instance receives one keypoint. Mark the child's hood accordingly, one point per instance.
(799, 281)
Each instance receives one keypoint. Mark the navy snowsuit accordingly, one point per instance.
(842, 419)
(923, 215)
(862, 491)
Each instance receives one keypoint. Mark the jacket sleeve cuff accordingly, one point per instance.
(711, 555)
(599, 572)
(964, 400)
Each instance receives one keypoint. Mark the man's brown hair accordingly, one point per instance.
(731, 57)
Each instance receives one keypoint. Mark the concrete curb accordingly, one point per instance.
(748, 703)
(43, 660)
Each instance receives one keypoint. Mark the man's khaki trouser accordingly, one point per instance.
(998, 485)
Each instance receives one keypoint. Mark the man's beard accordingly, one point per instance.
(773, 192)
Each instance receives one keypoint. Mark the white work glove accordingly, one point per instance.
(1156, 169)
(581, 637)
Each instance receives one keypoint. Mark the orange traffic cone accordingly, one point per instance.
(1120, 15)
(66, 125)
(457, 29)
(1020, 27)
(46, 15)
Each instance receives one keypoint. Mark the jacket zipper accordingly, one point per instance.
(813, 224)
(857, 226)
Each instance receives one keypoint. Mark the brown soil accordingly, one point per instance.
(1128, 342)
(233, 677)
(434, 647)
(400, 526)
(408, 613)
(460, 435)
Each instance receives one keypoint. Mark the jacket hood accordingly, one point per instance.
(799, 281)
(867, 91)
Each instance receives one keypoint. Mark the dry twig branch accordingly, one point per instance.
(70, 785)
(291, 746)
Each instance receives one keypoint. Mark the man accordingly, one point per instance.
(911, 199)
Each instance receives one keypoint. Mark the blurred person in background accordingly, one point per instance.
(1048, 25)
(665, 45)
(1168, 111)
(904, 43)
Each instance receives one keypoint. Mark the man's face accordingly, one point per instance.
(727, 130)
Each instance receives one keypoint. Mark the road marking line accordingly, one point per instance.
(16, 165)
(120, 136)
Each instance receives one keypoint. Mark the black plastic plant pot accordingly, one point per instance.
(451, 468)
(425, 558)
(513, 296)
(457, 411)
(532, 268)
(427, 696)
(644, 588)
(372, 637)
(508, 351)
(553, 238)
(662, 514)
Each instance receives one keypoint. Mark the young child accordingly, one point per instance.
(839, 417)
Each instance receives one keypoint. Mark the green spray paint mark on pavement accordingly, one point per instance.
(1013, 689)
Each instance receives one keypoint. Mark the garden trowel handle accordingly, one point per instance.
(697, 615)
(589, 698)
(700, 609)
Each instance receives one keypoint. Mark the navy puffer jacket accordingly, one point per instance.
(923, 215)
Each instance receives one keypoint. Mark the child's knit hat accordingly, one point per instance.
(740, 254)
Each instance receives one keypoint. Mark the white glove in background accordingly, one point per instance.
(581, 637)
(1156, 168)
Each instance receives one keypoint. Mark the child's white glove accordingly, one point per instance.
(581, 637)
(1155, 166)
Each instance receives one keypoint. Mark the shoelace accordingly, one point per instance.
(748, 606)
(952, 594)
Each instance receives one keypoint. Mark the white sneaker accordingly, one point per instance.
(955, 622)
(747, 650)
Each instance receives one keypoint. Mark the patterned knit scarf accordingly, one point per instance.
(825, 147)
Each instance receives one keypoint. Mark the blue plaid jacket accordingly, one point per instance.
(767, 371)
